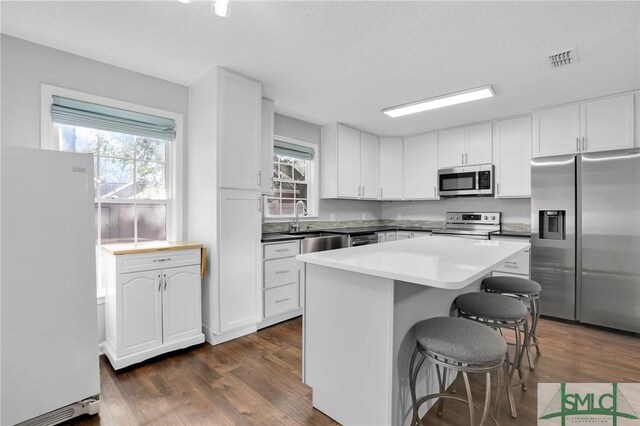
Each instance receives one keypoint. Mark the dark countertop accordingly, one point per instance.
(520, 234)
(362, 230)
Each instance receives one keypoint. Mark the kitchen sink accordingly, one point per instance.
(322, 241)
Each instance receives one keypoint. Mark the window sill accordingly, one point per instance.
(286, 219)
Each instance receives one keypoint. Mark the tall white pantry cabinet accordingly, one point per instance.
(224, 198)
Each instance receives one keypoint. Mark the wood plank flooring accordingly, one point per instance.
(255, 380)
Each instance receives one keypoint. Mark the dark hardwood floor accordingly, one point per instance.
(255, 380)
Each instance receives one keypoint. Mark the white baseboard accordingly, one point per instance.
(216, 339)
(267, 322)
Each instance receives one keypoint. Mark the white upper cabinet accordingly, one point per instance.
(348, 162)
(391, 169)
(451, 147)
(598, 125)
(369, 166)
(266, 149)
(556, 131)
(464, 146)
(512, 157)
(421, 167)
(239, 120)
(478, 144)
(607, 124)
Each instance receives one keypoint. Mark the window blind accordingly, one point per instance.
(293, 150)
(86, 114)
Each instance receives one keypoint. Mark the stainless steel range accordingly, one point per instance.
(477, 225)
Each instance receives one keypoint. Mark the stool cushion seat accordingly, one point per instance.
(492, 306)
(511, 285)
(461, 340)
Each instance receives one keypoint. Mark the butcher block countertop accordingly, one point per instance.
(131, 248)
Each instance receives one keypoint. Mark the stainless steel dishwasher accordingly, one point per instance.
(363, 240)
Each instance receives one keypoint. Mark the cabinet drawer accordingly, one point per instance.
(280, 300)
(156, 260)
(276, 251)
(279, 272)
(518, 265)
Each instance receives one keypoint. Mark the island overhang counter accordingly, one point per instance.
(361, 304)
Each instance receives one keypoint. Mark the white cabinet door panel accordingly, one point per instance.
(512, 157)
(239, 250)
(556, 131)
(391, 169)
(240, 113)
(139, 308)
(478, 144)
(607, 124)
(421, 167)
(451, 147)
(369, 165)
(348, 162)
(181, 305)
(266, 149)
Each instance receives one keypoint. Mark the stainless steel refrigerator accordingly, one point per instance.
(585, 226)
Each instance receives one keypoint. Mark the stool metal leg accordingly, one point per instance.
(487, 399)
(465, 376)
(442, 381)
(413, 375)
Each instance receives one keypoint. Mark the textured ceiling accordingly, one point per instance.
(345, 61)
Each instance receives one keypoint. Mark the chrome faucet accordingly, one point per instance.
(294, 226)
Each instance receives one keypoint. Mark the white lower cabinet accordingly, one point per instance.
(519, 266)
(281, 282)
(151, 309)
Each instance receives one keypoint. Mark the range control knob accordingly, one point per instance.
(450, 217)
(485, 218)
(493, 218)
(458, 217)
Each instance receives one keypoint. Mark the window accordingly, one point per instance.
(130, 182)
(137, 162)
(294, 179)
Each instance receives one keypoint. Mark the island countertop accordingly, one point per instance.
(441, 262)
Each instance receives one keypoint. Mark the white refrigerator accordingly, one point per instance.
(48, 317)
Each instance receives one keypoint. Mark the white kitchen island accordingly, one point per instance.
(360, 307)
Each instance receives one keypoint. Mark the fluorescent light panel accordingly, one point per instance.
(440, 101)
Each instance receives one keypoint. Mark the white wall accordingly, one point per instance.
(513, 210)
(25, 66)
(328, 209)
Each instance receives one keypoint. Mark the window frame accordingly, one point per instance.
(174, 160)
(313, 186)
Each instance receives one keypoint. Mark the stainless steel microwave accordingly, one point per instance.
(466, 181)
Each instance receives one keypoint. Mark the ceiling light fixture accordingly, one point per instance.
(219, 7)
(440, 101)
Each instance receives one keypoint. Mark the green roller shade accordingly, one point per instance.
(86, 114)
(293, 150)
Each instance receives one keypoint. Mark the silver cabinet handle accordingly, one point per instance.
(362, 195)
(282, 250)
(577, 144)
(584, 144)
(284, 271)
(282, 300)
(259, 177)
(434, 191)
(511, 264)
(159, 282)
(166, 259)
(358, 191)
(380, 192)
(498, 185)
(259, 205)
(466, 158)
(165, 282)
(462, 158)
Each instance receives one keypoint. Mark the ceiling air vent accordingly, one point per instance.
(565, 57)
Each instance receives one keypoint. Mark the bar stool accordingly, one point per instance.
(499, 312)
(527, 291)
(461, 346)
